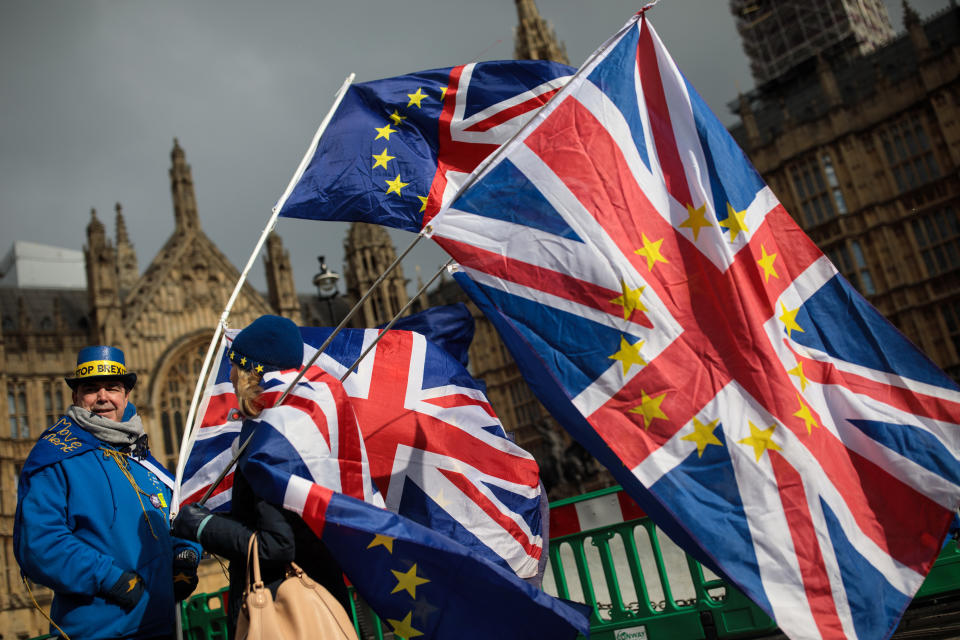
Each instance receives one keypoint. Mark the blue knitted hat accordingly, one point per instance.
(101, 362)
(269, 343)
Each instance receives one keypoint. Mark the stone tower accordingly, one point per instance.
(102, 290)
(914, 26)
(864, 153)
(368, 251)
(534, 39)
(778, 35)
(181, 187)
(127, 272)
(281, 292)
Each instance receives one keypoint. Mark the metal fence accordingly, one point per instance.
(638, 583)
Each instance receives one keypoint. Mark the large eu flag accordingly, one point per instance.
(674, 318)
(395, 149)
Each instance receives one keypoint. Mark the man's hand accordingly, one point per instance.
(188, 522)
(185, 574)
(127, 591)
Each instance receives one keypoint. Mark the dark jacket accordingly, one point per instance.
(282, 536)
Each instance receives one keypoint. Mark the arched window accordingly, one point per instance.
(17, 406)
(176, 392)
(54, 400)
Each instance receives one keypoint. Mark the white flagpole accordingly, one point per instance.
(323, 347)
(535, 121)
(186, 442)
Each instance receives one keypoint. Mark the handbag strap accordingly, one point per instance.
(253, 562)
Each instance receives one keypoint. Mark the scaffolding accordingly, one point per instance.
(777, 35)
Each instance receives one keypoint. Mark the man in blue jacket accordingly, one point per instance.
(92, 519)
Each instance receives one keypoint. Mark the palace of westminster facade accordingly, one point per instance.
(862, 149)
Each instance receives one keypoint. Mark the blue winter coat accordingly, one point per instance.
(80, 524)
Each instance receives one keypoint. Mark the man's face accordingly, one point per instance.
(106, 398)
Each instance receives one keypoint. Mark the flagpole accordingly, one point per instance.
(326, 343)
(394, 320)
(186, 441)
(356, 307)
(535, 121)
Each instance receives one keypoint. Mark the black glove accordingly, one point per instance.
(127, 591)
(185, 574)
(188, 521)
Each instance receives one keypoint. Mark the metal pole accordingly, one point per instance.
(353, 311)
(534, 122)
(186, 442)
(394, 320)
(323, 347)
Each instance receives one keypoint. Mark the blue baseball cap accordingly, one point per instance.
(101, 362)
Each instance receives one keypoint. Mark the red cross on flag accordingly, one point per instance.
(672, 316)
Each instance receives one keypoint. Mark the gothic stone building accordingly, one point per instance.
(162, 318)
(865, 153)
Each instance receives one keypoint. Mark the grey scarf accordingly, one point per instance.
(121, 434)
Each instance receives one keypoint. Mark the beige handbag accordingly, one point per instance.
(303, 609)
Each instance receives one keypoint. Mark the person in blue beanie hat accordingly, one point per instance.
(269, 343)
(92, 514)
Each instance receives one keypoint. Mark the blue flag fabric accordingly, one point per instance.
(396, 147)
(422, 584)
(672, 316)
(450, 327)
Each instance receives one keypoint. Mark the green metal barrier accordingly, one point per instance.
(945, 574)
(635, 592)
(639, 584)
(205, 616)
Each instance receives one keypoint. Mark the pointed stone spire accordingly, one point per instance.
(181, 186)
(96, 233)
(914, 26)
(534, 39)
(122, 236)
(910, 15)
(127, 270)
(280, 288)
(102, 294)
(368, 252)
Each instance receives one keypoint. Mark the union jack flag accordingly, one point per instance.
(286, 435)
(436, 449)
(307, 454)
(666, 308)
(399, 147)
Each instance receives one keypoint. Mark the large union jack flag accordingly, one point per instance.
(307, 454)
(313, 434)
(670, 313)
(397, 148)
(436, 449)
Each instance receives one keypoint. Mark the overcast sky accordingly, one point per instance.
(92, 94)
